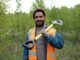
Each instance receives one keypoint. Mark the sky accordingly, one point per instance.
(26, 4)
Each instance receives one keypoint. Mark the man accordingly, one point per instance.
(44, 49)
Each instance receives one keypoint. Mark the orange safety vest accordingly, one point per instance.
(50, 49)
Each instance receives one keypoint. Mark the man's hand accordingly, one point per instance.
(44, 33)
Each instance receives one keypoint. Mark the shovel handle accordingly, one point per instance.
(32, 42)
(29, 44)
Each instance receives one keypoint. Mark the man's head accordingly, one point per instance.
(39, 17)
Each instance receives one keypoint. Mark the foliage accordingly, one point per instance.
(13, 29)
(38, 4)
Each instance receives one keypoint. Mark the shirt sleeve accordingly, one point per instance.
(57, 41)
(25, 52)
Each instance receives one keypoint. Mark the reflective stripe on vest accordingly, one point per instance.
(50, 49)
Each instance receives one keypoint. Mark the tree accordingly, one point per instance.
(18, 9)
(38, 4)
(3, 6)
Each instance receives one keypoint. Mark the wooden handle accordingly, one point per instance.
(38, 36)
(49, 27)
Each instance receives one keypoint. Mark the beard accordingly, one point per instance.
(39, 23)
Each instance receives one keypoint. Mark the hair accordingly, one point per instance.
(38, 10)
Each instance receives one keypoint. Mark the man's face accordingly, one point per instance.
(39, 19)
